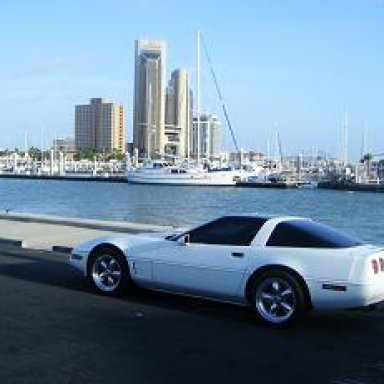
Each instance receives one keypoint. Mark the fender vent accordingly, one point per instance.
(333, 287)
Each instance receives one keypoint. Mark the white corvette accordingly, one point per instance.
(281, 267)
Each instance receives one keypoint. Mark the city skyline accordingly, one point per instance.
(293, 67)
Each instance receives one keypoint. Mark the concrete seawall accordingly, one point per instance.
(55, 232)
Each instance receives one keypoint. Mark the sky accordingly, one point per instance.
(296, 67)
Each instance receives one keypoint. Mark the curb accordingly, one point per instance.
(114, 226)
(12, 242)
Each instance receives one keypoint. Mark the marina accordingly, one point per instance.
(264, 173)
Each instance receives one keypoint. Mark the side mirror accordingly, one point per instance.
(184, 240)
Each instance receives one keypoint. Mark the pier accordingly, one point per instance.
(351, 186)
(76, 177)
(279, 185)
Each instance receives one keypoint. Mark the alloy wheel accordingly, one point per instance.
(106, 273)
(275, 300)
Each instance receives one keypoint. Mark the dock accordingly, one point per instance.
(279, 185)
(351, 186)
(98, 178)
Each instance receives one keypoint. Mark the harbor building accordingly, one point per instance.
(210, 137)
(64, 144)
(178, 116)
(149, 98)
(100, 126)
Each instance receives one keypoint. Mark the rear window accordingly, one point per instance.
(309, 234)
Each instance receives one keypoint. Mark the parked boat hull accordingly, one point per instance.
(203, 178)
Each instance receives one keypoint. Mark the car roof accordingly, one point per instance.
(271, 221)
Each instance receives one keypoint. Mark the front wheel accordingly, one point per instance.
(277, 298)
(108, 271)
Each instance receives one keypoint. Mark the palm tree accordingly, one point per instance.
(366, 160)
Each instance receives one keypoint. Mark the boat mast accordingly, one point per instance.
(188, 122)
(364, 150)
(345, 139)
(198, 96)
(220, 94)
(149, 121)
(25, 143)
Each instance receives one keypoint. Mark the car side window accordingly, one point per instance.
(285, 235)
(227, 231)
(308, 234)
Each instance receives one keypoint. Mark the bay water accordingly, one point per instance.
(358, 213)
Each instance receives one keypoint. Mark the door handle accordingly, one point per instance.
(237, 254)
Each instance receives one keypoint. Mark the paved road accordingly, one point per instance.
(53, 329)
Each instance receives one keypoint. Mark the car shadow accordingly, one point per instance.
(53, 270)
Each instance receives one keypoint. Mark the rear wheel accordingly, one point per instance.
(277, 298)
(108, 271)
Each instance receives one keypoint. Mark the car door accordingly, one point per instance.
(213, 260)
(201, 269)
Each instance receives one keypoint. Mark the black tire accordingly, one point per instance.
(277, 299)
(108, 271)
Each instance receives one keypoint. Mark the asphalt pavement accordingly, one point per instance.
(54, 329)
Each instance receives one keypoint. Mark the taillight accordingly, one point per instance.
(375, 266)
(381, 262)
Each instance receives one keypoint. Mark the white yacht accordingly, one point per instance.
(162, 172)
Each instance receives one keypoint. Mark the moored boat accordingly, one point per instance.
(161, 172)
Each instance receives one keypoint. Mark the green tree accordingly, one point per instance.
(115, 155)
(34, 153)
(366, 160)
(85, 154)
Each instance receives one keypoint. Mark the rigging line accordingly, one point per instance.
(219, 93)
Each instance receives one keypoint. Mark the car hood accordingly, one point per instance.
(123, 242)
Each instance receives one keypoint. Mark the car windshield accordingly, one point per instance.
(309, 234)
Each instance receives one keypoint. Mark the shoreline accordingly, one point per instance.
(123, 179)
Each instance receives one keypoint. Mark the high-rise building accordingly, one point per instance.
(178, 114)
(149, 98)
(210, 137)
(100, 126)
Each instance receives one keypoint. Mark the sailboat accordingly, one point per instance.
(164, 173)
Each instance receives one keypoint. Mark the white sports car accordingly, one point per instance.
(281, 267)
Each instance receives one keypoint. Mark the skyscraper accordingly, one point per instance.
(100, 126)
(178, 114)
(149, 98)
